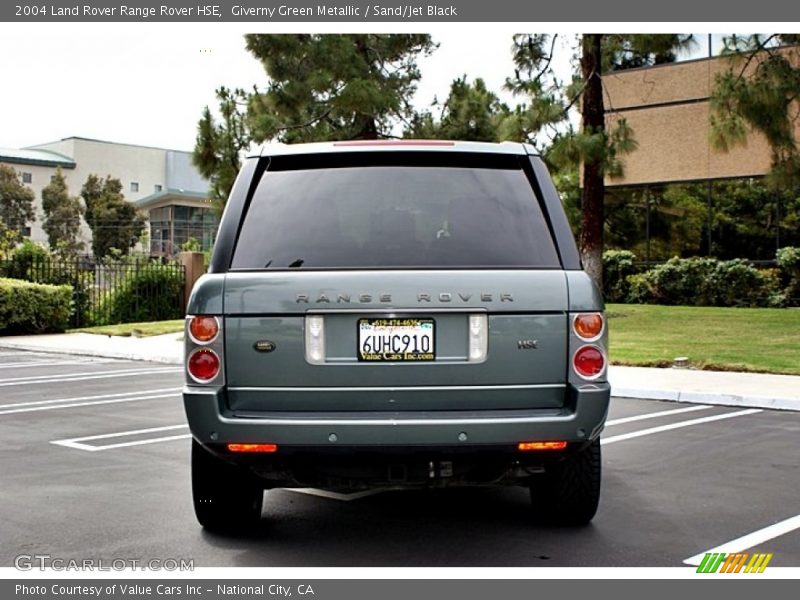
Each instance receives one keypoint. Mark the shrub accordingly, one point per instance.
(33, 262)
(789, 262)
(705, 282)
(27, 262)
(152, 292)
(27, 307)
(618, 265)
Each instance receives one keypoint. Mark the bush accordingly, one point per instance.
(26, 262)
(618, 265)
(705, 282)
(27, 307)
(150, 293)
(33, 262)
(789, 262)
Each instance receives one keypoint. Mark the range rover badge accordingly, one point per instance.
(264, 346)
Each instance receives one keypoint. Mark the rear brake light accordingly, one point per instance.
(394, 143)
(252, 447)
(315, 339)
(203, 330)
(203, 365)
(589, 362)
(588, 326)
(478, 337)
(537, 446)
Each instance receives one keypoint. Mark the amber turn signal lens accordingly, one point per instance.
(203, 329)
(252, 447)
(588, 325)
(536, 446)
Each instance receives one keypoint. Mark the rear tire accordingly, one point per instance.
(226, 497)
(569, 491)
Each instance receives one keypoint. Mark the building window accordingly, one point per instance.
(134, 186)
(26, 232)
(157, 187)
(52, 178)
(27, 178)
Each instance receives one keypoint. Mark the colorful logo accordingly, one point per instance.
(719, 562)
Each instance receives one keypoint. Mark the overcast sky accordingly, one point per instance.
(148, 83)
(139, 86)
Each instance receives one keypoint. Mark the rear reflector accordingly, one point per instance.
(537, 446)
(252, 447)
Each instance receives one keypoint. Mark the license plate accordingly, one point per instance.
(396, 340)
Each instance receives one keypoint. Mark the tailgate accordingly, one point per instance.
(267, 365)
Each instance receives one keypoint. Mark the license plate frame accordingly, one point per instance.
(420, 346)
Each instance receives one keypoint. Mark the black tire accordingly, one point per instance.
(226, 497)
(569, 491)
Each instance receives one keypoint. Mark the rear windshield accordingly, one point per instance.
(418, 215)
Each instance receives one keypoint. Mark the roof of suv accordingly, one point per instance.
(395, 146)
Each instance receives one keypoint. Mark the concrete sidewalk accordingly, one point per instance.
(678, 385)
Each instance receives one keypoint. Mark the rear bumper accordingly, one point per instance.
(580, 420)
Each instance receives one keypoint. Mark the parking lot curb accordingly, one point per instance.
(165, 358)
(719, 399)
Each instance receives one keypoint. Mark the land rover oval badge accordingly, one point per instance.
(264, 346)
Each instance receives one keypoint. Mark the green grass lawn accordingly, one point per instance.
(732, 339)
(139, 329)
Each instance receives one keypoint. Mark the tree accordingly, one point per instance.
(760, 91)
(597, 147)
(115, 222)
(220, 144)
(334, 87)
(62, 216)
(471, 112)
(16, 205)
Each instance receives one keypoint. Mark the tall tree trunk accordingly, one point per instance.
(593, 114)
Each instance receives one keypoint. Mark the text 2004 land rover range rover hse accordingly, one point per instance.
(395, 314)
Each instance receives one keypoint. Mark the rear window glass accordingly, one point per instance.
(394, 215)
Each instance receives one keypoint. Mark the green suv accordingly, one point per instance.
(395, 314)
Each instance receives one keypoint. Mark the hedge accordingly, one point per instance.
(27, 307)
(703, 281)
(148, 294)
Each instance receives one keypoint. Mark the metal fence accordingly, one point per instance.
(104, 292)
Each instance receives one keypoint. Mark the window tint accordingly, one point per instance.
(394, 216)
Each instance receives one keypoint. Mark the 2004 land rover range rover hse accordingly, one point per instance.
(404, 313)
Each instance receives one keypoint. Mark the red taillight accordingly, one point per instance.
(203, 329)
(588, 326)
(589, 362)
(539, 446)
(203, 365)
(252, 447)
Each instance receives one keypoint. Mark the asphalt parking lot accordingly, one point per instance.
(95, 464)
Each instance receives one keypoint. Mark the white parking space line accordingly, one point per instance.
(50, 363)
(678, 425)
(654, 415)
(40, 405)
(77, 443)
(44, 379)
(750, 540)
